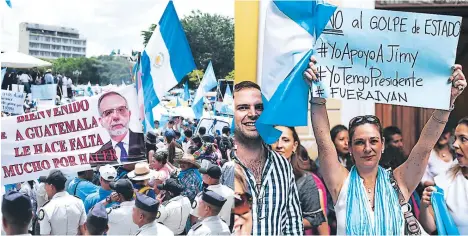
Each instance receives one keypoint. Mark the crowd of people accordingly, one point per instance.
(27, 78)
(361, 182)
(186, 186)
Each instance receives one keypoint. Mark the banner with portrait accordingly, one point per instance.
(73, 137)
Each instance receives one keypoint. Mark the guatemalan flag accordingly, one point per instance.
(186, 91)
(165, 61)
(208, 83)
(282, 59)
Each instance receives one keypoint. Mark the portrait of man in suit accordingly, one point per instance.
(125, 145)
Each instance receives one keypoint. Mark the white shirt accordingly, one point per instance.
(212, 225)
(174, 213)
(456, 197)
(435, 166)
(70, 83)
(154, 228)
(64, 81)
(120, 219)
(25, 78)
(225, 192)
(41, 196)
(62, 215)
(126, 144)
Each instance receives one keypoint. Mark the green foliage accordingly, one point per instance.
(211, 37)
(194, 78)
(230, 76)
(101, 70)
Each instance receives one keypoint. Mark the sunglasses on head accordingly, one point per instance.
(243, 204)
(364, 119)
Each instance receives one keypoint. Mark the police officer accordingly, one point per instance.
(120, 216)
(208, 206)
(211, 175)
(61, 206)
(175, 209)
(97, 221)
(144, 215)
(17, 212)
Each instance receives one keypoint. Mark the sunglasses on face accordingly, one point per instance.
(364, 119)
(243, 204)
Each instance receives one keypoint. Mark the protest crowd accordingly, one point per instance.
(186, 186)
(326, 192)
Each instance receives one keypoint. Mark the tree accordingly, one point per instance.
(195, 77)
(230, 76)
(211, 37)
(101, 70)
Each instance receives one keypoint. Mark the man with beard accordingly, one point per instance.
(175, 208)
(125, 145)
(269, 175)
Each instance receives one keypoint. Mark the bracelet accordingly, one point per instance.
(318, 103)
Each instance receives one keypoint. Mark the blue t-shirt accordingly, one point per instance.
(96, 197)
(83, 188)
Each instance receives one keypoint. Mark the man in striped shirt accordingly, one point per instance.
(276, 208)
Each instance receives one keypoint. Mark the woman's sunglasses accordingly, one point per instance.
(243, 204)
(364, 119)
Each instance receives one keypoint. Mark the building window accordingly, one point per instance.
(45, 46)
(34, 37)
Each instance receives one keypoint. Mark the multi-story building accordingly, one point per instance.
(51, 42)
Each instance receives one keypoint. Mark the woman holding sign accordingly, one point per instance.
(367, 198)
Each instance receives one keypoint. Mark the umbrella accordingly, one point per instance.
(21, 60)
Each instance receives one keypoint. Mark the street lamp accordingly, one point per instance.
(77, 73)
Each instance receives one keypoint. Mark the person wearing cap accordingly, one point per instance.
(97, 221)
(140, 178)
(61, 206)
(211, 175)
(120, 215)
(48, 77)
(209, 206)
(81, 186)
(175, 208)
(17, 213)
(107, 174)
(144, 215)
(123, 170)
(190, 177)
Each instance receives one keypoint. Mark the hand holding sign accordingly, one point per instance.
(458, 82)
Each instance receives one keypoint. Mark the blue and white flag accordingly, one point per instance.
(2, 75)
(282, 59)
(8, 2)
(178, 104)
(186, 91)
(228, 99)
(207, 84)
(166, 59)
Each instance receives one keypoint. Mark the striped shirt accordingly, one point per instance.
(276, 208)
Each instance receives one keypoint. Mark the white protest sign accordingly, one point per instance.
(17, 88)
(387, 57)
(12, 102)
(44, 91)
(72, 137)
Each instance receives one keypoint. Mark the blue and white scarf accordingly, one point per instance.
(388, 217)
